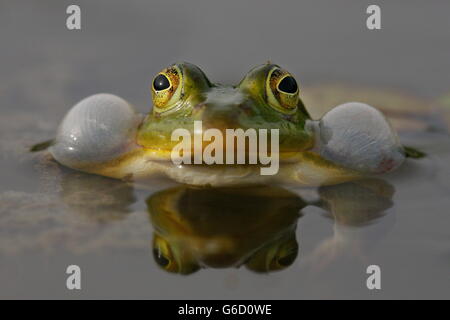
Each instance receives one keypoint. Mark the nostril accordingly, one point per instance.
(245, 108)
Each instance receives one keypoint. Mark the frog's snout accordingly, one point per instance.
(222, 109)
(220, 117)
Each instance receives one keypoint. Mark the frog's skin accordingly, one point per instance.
(103, 134)
(253, 227)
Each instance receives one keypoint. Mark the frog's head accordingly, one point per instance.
(266, 98)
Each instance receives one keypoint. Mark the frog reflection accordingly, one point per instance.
(356, 204)
(354, 209)
(96, 198)
(224, 227)
(252, 227)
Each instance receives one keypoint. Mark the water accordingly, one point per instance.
(51, 217)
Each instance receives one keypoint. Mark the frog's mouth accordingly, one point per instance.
(213, 163)
(221, 145)
(224, 157)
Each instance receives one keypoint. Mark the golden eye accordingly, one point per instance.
(282, 91)
(166, 89)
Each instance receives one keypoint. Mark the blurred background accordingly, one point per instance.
(47, 223)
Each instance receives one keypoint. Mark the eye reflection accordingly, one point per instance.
(171, 258)
(275, 256)
(160, 258)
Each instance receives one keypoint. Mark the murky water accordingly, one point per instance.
(170, 241)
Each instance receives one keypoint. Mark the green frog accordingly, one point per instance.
(104, 135)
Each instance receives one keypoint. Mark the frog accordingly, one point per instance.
(103, 134)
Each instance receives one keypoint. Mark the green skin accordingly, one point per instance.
(222, 107)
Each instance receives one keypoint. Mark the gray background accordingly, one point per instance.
(45, 69)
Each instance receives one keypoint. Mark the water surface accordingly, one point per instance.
(51, 217)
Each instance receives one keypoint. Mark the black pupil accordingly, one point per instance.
(160, 259)
(161, 82)
(287, 260)
(288, 85)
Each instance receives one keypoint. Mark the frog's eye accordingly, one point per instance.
(166, 89)
(282, 91)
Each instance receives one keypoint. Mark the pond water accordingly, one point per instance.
(165, 240)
